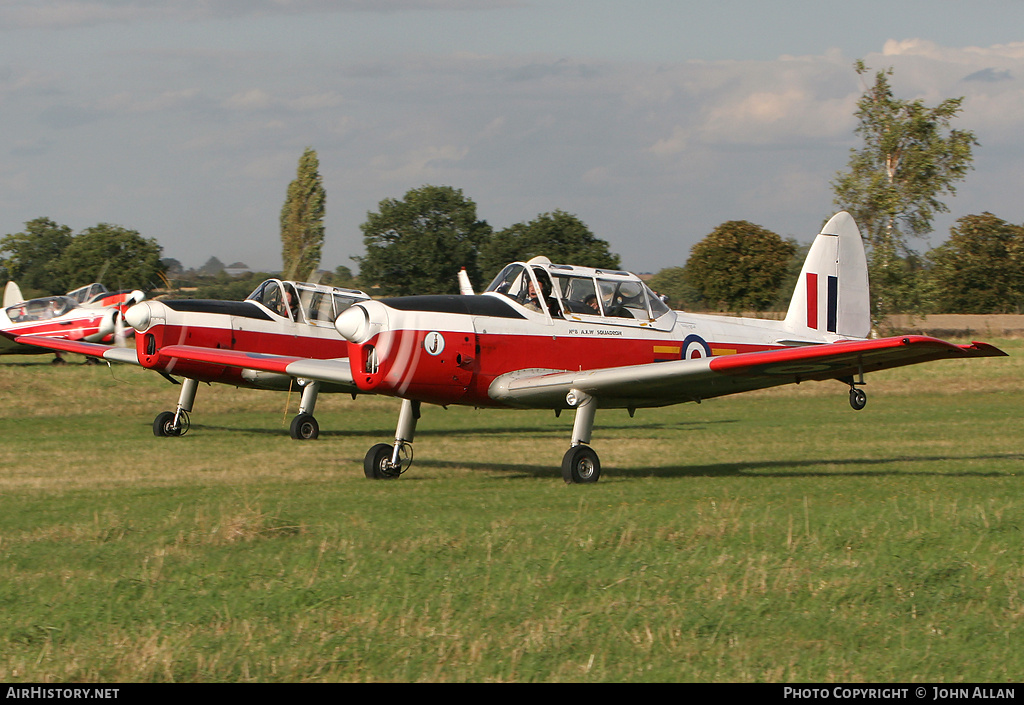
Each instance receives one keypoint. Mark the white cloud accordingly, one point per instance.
(418, 166)
(674, 144)
(651, 155)
(251, 99)
(23, 14)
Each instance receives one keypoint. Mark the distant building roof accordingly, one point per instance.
(237, 268)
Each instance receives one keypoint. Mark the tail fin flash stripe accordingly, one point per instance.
(812, 300)
(833, 304)
(831, 295)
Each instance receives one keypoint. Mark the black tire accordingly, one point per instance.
(305, 428)
(580, 465)
(163, 425)
(377, 463)
(858, 399)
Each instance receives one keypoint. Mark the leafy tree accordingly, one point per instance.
(417, 245)
(212, 268)
(342, 276)
(980, 269)
(739, 267)
(30, 257)
(559, 236)
(117, 257)
(172, 267)
(302, 219)
(672, 282)
(225, 287)
(910, 158)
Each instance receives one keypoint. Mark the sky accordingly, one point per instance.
(653, 121)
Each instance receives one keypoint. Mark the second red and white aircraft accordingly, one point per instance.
(208, 341)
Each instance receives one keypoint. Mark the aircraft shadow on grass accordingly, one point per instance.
(767, 469)
(556, 432)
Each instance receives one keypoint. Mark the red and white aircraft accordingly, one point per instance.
(62, 317)
(96, 295)
(593, 338)
(211, 341)
(599, 338)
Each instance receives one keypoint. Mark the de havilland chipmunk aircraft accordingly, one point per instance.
(552, 336)
(97, 320)
(277, 318)
(559, 337)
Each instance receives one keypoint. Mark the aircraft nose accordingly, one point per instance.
(360, 322)
(139, 316)
(353, 324)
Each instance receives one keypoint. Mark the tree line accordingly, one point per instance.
(741, 266)
(893, 185)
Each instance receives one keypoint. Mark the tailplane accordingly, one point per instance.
(831, 297)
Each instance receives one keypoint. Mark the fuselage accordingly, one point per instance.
(452, 349)
(262, 324)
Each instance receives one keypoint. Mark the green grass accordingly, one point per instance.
(777, 536)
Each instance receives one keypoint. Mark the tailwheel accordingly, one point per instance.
(858, 398)
(304, 427)
(377, 464)
(164, 424)
(580, 464)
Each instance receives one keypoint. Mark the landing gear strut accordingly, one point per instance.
(386, 462)
(304, 426)
(580, 463)
(176, 423)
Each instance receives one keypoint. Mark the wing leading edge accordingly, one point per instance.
(665, 383)
(334, 371)
(106, 352)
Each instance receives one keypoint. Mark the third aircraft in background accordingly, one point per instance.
(90, 314)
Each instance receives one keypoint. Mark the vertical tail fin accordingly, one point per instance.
(831, 296)
(465, 287)
(12, 294)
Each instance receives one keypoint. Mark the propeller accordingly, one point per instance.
(120, 339)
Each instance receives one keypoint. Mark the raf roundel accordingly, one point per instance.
(695, 347)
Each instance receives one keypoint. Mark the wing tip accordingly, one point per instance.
(980, 349)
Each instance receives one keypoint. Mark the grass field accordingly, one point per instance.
(774, 536)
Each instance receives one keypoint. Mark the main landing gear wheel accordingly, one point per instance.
(858, 399)
(580, 465)
(305, 428)
(377, 463)
(163, 424)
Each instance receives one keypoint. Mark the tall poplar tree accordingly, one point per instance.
(892, 186)
(302, 219)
